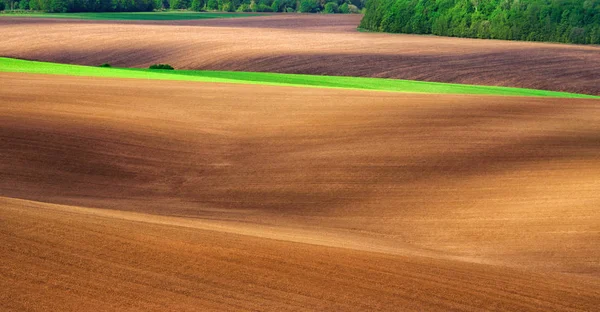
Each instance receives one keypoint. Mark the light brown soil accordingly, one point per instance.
(240, 197)
(57, 258)
(310, 44)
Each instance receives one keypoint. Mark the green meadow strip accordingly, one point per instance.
(274, 79)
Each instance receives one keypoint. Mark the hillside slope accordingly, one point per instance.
(308, 44)
(486, 179)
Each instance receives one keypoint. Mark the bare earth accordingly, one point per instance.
(236, 197)
(57, 258)
(310, 44)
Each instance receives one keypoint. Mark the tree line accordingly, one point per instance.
(568, 21)
(303, 6)
(62, 6)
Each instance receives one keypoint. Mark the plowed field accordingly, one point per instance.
(224, 196)
(309, 44)
(163, 195)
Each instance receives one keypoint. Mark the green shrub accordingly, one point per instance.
(344, 8)
(158, 5)
(244, 7)
(275, 6)
(264, 8)
(105, 65)
(33, 5)
(212, 5)
(309, 6)
(161, 66)
(58, 6)
(24, 5)
(330, 7)
(197, 5)
(353, 9)
(179, 4)
(228, 7)
(253, 6)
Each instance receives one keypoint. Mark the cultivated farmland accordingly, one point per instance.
(307, 44)
(147, 190)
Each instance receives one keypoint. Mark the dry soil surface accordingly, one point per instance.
(124, 194)
(60, 258)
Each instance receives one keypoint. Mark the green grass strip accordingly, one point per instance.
(273, 79)
(140, 16)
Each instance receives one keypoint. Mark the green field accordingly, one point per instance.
(273, 79)
(140, 16)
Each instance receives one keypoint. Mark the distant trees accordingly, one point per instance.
(304, 6)
(61, 6)
(570, 21)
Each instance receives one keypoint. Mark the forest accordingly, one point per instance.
(302, 6)
(567, 21)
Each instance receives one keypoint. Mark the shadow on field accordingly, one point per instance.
(293, 170)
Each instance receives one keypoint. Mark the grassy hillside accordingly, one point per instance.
(569, 21)
(145, 16)
(359, 83)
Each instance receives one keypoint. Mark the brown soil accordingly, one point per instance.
(57, 258)
(310, 44)
(236, 196)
